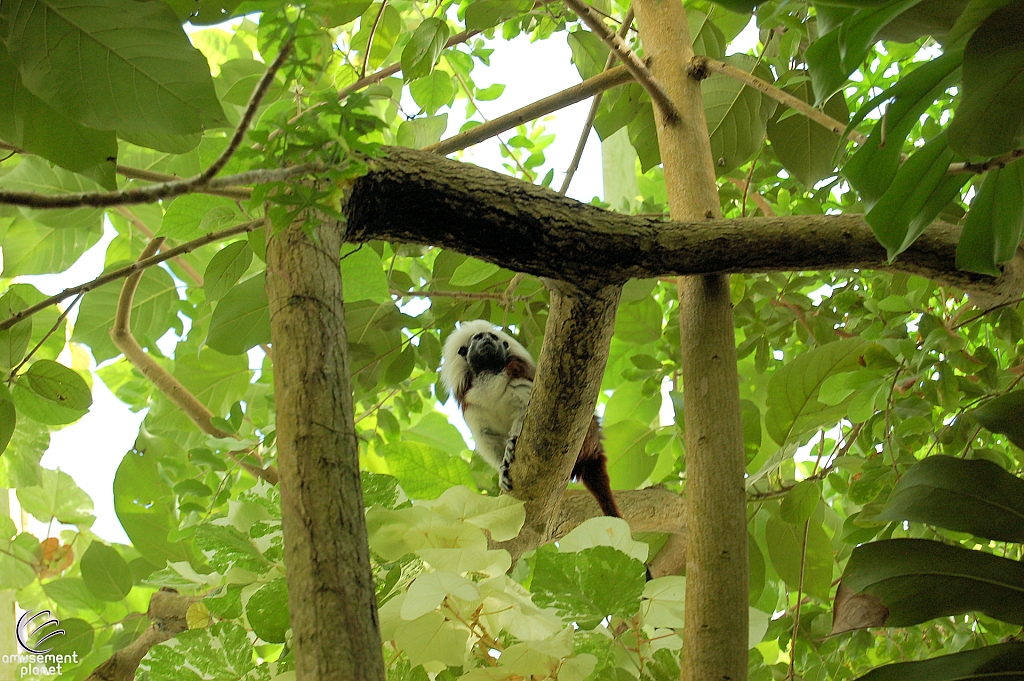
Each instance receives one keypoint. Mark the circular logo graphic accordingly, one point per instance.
(30, 631)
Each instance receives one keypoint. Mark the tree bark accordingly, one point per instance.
(715, 632)
(330, 584)
(416, 197)
(571, 365)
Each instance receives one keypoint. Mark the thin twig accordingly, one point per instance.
(369, 39)
(762, 203)
(148, 233)
(163, 380)
(468, 295)
(237, 193)
(588, 125)
(542, 107)
(978, 168)
(633, 63)
(701, 65)
(60, 319)
(128, 270)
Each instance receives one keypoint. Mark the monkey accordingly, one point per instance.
(491, 376)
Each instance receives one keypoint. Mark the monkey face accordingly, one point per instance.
(486, 352)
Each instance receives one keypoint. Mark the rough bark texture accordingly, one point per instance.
(715, 635)
(330, 585)
(569, 372)
(416, 197)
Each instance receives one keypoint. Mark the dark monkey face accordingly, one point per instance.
(485, 353)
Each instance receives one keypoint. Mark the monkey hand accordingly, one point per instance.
(504, 476)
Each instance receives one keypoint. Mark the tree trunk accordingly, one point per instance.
(330, 583)
(715, 634)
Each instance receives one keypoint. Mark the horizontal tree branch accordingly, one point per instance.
(128, 270)
(238, 193)
(416, 197)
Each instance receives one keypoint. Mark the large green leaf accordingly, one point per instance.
(805, 148)
(839, 52)
(975, 496)
(736, 114)
(144, 504)
(221, 652)
(55, 382)
(872, 168)
(589, 53)
(242, 318)
(191, 216)
(995, 222)
(267, 611)
(629, 464)
(226, 268)
(424, 471)
(1004, 415)
(1003, 661)
(154, 312)
(424, 47)
(105, 573)
(153, 79)
(786, 549)
(13, 341)
(57, 497)
(217, 380)
(990, 117)
(920, 190)
(34, 248)
(35, 175)
(793, 408)
(916, 580)
(576, 584)
(28, 122)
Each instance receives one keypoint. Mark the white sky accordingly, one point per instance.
(91, 449)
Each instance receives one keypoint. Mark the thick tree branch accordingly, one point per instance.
(167, 610)
(636, 67)
(416, 197)
(148, 233)
(137, 266)
(569, 372)
(163, 380)
(542, 107)
(237, 193)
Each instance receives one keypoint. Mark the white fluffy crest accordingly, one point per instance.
(455, 366)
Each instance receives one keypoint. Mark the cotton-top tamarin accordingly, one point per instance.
(491, 376)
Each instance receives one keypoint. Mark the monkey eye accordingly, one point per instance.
(506, 344)
(463, 350)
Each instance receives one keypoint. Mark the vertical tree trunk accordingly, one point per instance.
(715, 635)
(330, 584)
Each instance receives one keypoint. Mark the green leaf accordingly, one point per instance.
(589, 53)
(242, 318)
(990, 117)
(13, 341)
(975, 496)
(805, 148)
(17, 556)
(629, 464)
(65, 47)
(191, 216)
(995, 222)
(629, 402)
(267, 611)
(576, 584)
(225, 547)
(838, 53)
(362, 275)
(1003, 661)
(34, 248)
(423, 471)
(57, 383)
(918, 193)
(41, 409)
(737, 114)
(19, 466)
(872, 168)
(221, 652)
(432, 92)
(77, 639)
(35, 175)
(28, 122)
(144, 505)
(105, 573)
(401, 366)
(785, 544)
(707, 38)
(640, 322)
(57, 497)
(1004, 415)
(431, 638)
(793, 407)
(422, 132)
(8, 423)
(483, 14)
(918, 580)
(424, 48)
(226, 268)
(340, 12)
(387, 27)
(217, 380)
(71, 593)
(154, 311)
(643, 135)
(799, 503)
(472, 272)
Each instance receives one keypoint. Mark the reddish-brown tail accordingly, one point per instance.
(594, 475)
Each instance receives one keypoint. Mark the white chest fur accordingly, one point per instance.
(492, 406)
